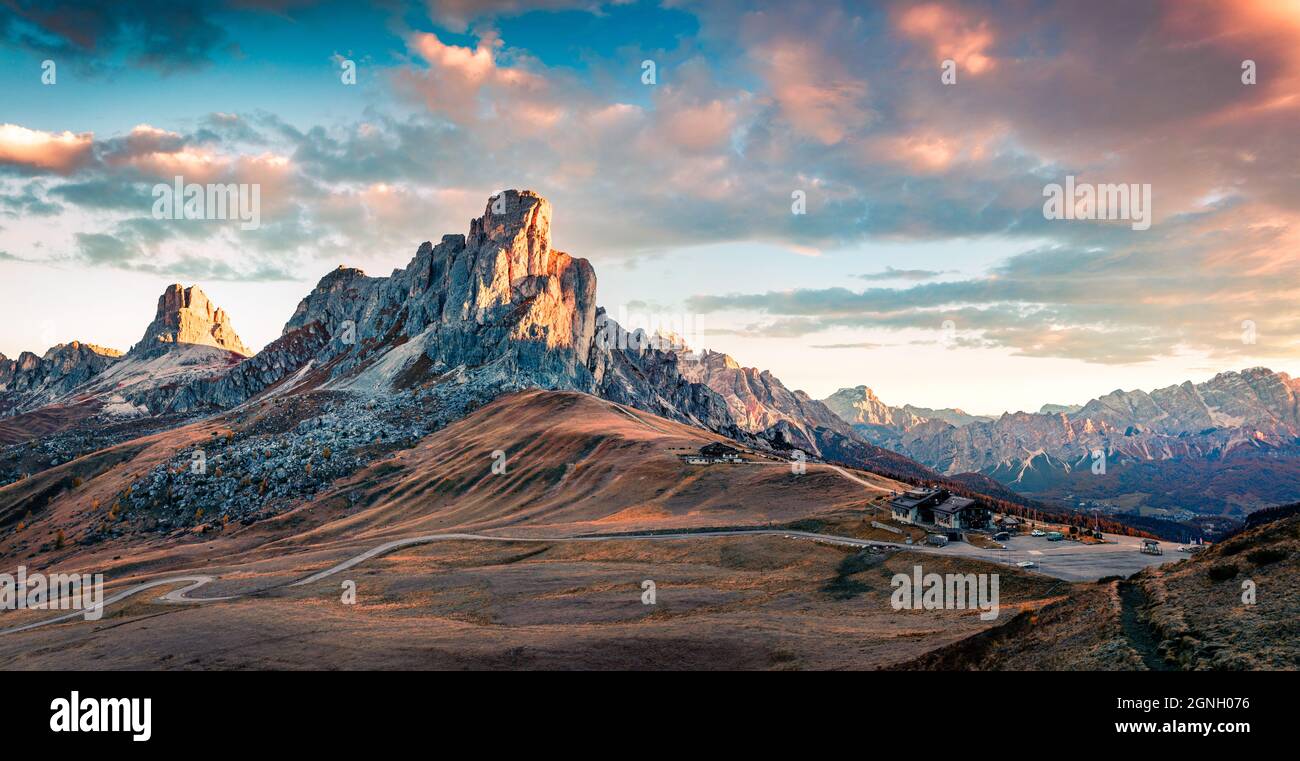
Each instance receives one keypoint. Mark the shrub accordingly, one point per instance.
(1266, 555)
(59, 540)
(1222, 571)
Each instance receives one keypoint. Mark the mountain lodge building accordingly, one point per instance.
(714, 453)
(720, 451)
(938, 507)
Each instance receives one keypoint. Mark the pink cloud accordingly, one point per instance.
(927, 151)
(813, 92)
(951, 34)
(62, 152)
(696, 127)
(461, 83)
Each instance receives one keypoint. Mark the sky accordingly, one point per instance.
(842, 193)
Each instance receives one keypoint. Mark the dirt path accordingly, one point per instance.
(1139, 635)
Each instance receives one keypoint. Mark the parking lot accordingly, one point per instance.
(1074, 561)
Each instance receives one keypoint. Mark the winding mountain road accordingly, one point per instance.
(1063, 560)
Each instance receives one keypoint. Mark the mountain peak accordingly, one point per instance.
(862, 392)
(187, 316)
(860, 405)
(518, 220)
(717, 359)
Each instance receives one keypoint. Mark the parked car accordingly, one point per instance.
(1055, 536)
(1001, 536)
(1037, 532)
(938, 540)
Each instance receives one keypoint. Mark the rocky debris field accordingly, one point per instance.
(29, 457)
(278, 454)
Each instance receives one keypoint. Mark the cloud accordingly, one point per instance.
(890, 273)
(840, 100)
(29, 199)
(859, 345)
(158, 34)
(696, 127)
(457, 15)
(102, 248)
(32, 151)
(466, 85)
(1191, 289)
(811, 89)
(105, 192)
(951, 32)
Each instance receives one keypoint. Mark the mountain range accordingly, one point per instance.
(1228, 445)
(472, 317)
(498, 310)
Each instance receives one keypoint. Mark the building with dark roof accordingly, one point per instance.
(719, 451)
(938, 507)
(713, 453)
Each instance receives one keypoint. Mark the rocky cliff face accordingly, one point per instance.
(499, 296)
(66, 364)
(861, 405)
(494, 310)
(31, 381)
(766, 410)
(186, 316)
(1256, 398)
(759, 400)
(884, 425)
(286, 359)
(629, 369)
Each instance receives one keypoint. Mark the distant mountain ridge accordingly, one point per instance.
(188, 341)
(1178, 438)
(884, 425)
(31, 381)
(860, 405)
